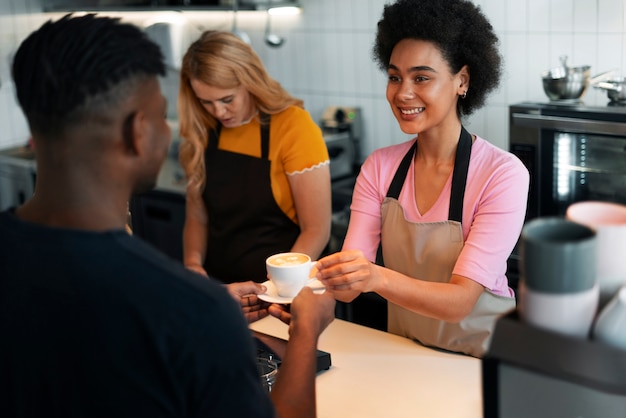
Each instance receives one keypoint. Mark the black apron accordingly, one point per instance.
(246, 225)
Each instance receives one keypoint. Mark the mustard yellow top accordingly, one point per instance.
(296, 146)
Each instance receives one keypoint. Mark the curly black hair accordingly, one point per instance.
(460, 31)
(66, 64)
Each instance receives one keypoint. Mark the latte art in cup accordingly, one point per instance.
(289, 272)
(288, 259)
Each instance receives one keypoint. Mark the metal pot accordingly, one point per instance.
(616, 88)
(566, 83)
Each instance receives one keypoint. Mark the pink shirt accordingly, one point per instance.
(494, 208)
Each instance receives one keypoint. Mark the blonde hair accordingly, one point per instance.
(220, 59)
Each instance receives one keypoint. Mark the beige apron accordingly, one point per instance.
(428, 251)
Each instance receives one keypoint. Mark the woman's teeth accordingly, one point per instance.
(412, 111)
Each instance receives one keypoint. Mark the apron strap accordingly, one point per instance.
(459, 175)
(214, 136)
(400, 176)
(265, 135)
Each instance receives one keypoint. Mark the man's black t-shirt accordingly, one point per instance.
(103, 325)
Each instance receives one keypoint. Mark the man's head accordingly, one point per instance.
(80, 67)
(88, 84)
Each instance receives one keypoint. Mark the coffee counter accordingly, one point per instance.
(377, 374)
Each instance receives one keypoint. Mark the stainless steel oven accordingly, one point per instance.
(573, 153)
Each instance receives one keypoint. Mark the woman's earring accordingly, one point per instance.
(464, 94)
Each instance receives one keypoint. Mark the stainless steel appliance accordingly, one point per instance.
(342, 128)
(573, 152)
(341, 153)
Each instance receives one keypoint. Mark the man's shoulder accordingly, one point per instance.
(157, 269)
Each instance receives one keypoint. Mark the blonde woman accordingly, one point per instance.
(256, 163)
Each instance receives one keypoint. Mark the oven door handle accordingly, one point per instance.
(558, 123)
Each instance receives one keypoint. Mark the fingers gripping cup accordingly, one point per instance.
(558, 289)
(289, 272)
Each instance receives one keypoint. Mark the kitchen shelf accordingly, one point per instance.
(133, 6)
(159, 5)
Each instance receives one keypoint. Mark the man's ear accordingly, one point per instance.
(133, 132)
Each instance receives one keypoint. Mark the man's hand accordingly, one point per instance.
(312, 308)
(245, 294)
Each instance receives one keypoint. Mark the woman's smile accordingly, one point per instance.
(412, 111)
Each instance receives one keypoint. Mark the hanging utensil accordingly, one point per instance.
(271, 39)
(240, 34)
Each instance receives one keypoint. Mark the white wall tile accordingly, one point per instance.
(475, 123)
(516, 16)
(363, 70)
(516, 75)
(585, 51)
(562, 44)
(19, 127)
(585, 16)
(302, 70)
(360, 15)
(497, 125)
(610, 51)
(562, 16)
(611, 16)
(6, 103)
(343, 14)
(538, 15)
(624, 54)
(376, 8)
(495, 10)
(540, 59)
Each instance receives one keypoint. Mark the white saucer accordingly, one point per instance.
(271, 295)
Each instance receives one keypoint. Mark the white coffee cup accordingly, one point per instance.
(569, 314)
(609, 222)
(558, 290)
(289, 272)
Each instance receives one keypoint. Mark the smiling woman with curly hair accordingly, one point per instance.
(458, 30)
(447, 206)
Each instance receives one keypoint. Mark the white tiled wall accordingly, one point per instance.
(16, 20)
(326, 59)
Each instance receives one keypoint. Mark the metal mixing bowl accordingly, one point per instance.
(566, 83)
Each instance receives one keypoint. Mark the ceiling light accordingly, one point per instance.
(284, 10)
